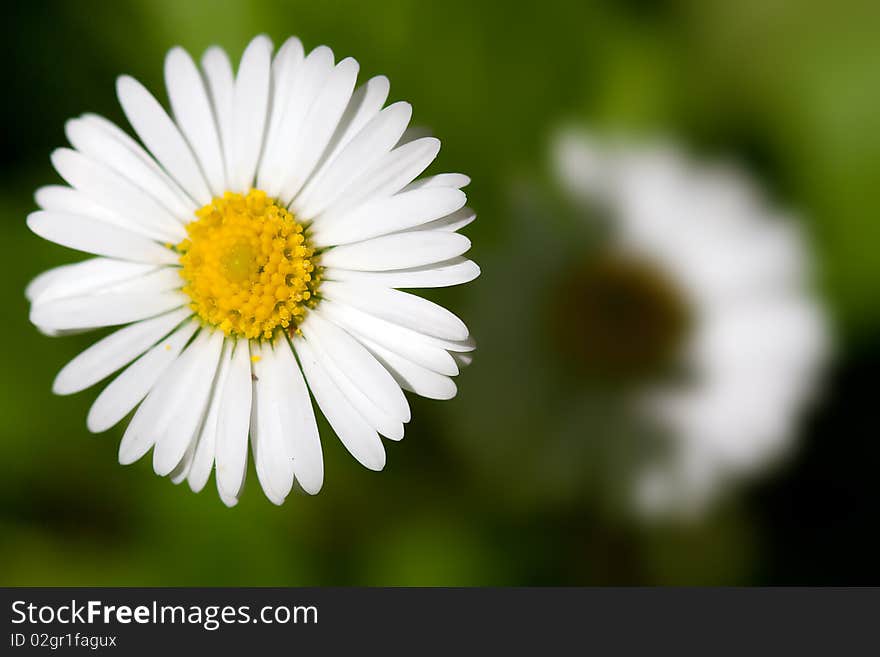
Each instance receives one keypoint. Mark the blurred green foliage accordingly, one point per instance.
(475, 494)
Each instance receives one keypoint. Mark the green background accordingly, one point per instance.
(494, 487)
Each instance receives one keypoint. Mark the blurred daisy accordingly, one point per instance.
(702, 301)
(254, 246)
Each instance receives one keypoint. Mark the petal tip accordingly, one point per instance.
(61, 386)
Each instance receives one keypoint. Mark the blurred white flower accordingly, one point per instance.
(757, 336)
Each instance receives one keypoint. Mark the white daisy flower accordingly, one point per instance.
(254, 247)
(722, 283)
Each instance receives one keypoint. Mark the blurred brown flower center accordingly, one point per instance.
(621, 317)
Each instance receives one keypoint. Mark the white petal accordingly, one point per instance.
(194, 116)
(169, 193)
(105, 276)
(130, 387)
(278, 159)
(114, 351)
(181, 471)
(368, 146)
(285, 69)
(298, 417)
(455, 346)
(457, 180)
(109, 309)
(202, 450)
(98, 237)
(60, 198)
(221, 86)
(413, 133)
(409, 344)
(129, 206)
(391, 173)
(190, 405)
(44, 280)
(451, 222)
(88, 276)
(319, 126)
(358, 365)
(53, 333)
(250, 107)
(389, 214)
(228, 500)
(161, 136)
(463, 359)
(385, 424)
(442, 274)
(93, 140)
(404, 164)
(398, 308)
(365, 103)
(358, 437)
(273, 457)
(399, 251)
(233, 422)
(160, 280)
(158, 410)
(412, 376)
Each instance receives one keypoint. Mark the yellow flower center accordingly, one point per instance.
(247, 266)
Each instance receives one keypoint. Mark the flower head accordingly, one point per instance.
(253, 245)
(717, 290)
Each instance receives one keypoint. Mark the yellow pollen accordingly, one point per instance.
(247, 266)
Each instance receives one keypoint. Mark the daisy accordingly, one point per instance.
(713, 314)
(253, 245)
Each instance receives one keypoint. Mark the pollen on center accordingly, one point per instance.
(247, 266)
